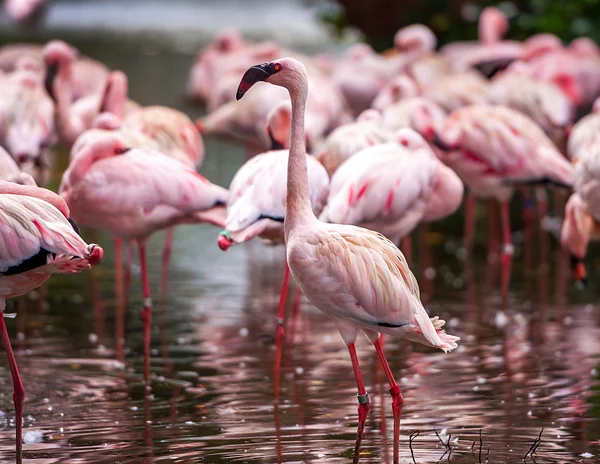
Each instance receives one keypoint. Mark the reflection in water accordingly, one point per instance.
(520, 368)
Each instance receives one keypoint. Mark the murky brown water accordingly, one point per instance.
(529, 367)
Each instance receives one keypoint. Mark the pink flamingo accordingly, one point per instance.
(26, 121)
(418, 59)
(43, 241)
(456, 90)
(392, 187)
(356, 276)
(582, 212)
(491, 53)
(256, 208)
(79, 96)
(544, 102)
(132, 193)
(584, 133)
(348, 139)
(493, 149)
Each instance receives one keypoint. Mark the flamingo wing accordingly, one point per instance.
(29, 225)
(360, 275)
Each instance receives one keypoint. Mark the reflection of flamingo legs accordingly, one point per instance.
(470, 212)
(120, 302)
(280, 331)
(507, 249)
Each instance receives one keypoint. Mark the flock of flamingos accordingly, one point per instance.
(345, 158)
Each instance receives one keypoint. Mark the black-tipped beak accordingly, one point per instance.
(123, 150)
(579, 271)
(492, 67)
(275, 144)
(258, 73)
(51, 73)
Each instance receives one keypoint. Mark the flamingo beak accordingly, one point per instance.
(258, 73)
(51, 73)
(579, 271)
(95, 254)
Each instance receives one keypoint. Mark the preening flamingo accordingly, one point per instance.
(38, 239)
(356, 276)
(131, 193)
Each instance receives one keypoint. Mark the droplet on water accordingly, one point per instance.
(33, 436)
(244, 332)
(93, 338)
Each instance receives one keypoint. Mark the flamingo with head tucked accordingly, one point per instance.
(40, 239)
(356, 276)
(133, 192)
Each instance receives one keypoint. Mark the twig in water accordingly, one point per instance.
(480, 446)
(534, 446)
(412, 436)
(447, 447)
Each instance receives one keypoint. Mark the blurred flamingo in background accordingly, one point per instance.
(24, 10)
(493, 149)
(43, 241)
(356, 276)
(132, 193)
(585, 132)
(392, 187)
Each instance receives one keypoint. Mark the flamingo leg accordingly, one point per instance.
(146, 312)
(470, 208)
(166, 261)
(363, 401)
(407, 248)
(130, 246)
(507, 248)
(120, 296)
(18, 389)
(397, 398)
(295, 311)
(279, 331)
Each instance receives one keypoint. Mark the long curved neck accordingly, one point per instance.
(298, 209)
(68, 125)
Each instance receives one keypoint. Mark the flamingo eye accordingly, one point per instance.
(404, 142)
(277, 67)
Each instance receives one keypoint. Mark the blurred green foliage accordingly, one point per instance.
(457, 19)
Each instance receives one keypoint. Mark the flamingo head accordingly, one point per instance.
(410, 139)
(95, 254)
(279, 124)
(415, 37)
(224, 241)
(56, 54)
(579, 271)
(285, 72)
(493, 25)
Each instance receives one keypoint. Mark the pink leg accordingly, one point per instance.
(146, 312)
(470, 208)
(130, 246)
(279, 331)
(363, 402)
(119, 294)
(18, 389)
(407, 248)
(295, 311)
(166, 261)
(507, 248)
(397, 399)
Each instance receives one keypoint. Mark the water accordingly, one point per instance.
(532, 366)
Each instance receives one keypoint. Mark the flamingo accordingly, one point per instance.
(584, 132)
(582, 212)
(26, 121)
(544, 102)
(39, 239)
(494, 148)
(80, 96)
(132, 193)
(256, 208)
(24, 10)
(392, 187)
(9, 171)
(348, 139)
(356, 276)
